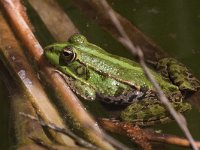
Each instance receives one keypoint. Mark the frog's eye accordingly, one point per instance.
(67, 55)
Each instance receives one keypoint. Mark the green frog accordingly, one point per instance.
(93, 73)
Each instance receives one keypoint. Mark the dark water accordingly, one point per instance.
(173, 25)
(4, 117)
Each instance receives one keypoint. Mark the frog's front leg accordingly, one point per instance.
(84, 90)
(178, 74)
(80, 88)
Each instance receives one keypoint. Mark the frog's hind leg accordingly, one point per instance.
(80, 88)
(178, 74)
(149, 111)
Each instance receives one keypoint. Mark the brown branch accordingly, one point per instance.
(65, 131)
(171, 139)
(22, 10)
(135, 133)
(42, 143)
(136, 51)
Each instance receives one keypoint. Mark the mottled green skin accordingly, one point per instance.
(94, 72)
(149, 112)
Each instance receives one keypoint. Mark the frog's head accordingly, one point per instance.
(66, 56)
(64, 53)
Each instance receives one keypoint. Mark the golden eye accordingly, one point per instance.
(67, 55)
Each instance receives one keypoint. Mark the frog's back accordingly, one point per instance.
(119, 68)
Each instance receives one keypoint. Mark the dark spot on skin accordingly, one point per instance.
(144, 89)
(142, 97)
(119, 102)
(119, 91)
(87, 74)
(161, 67)
(132, 98)
(107, 100)
(179, 82)
(51, 49)
(190, 76)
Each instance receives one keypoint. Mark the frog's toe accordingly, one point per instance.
(178, 74)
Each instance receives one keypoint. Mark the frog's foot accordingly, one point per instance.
(79, 87)
(149, 112)
(178, 74)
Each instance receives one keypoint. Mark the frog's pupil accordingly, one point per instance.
(67, 53)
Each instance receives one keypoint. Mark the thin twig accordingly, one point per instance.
(42, 143)
(65, 131)
(136, 51)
